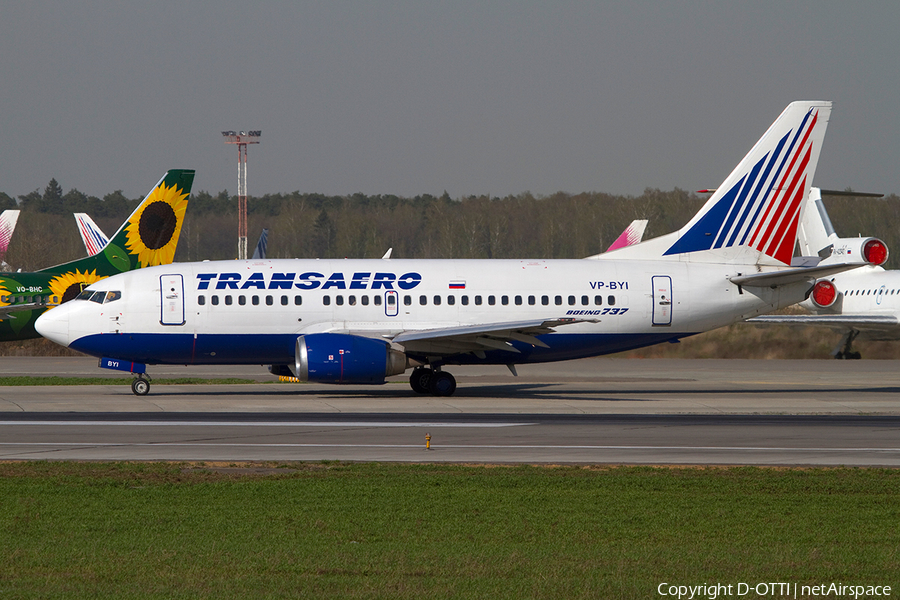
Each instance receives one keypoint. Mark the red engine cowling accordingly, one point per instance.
(824, 293)
(875, 252)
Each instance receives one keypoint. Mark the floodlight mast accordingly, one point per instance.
(241, 139)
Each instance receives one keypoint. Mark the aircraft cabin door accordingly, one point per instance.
(662, 300)
(391, 304)
(171, 290)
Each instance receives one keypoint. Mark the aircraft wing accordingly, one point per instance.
(774, 279)
(478, 338)
(6, 312)
(861, 322)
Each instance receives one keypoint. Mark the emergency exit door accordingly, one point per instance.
(662, 300)
(171, 290)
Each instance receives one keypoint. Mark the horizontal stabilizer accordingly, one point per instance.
(778, 278)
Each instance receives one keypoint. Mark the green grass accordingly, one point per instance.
(56, 380)
(336, 530)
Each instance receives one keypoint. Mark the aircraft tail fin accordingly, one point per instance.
(148, 237)
(753, 216)
(93, 237)
(8, 220)
(262, 245)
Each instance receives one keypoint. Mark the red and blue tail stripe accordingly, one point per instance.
(761, 208)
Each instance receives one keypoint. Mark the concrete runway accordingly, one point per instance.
(615, 411)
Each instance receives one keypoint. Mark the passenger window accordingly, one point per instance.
(377, 300)
(571, 300)
(351, 300)
(478, 300)
(326, 300)
(110, 297)
(465, 300)
(228, 300)
(531, 301)
(215, 300)
(585, 300)
(598, 300)
(365, 300)
(254, 300)
(423, 300)
(270, 300)
(437, 300)
(611, 300)
(284, 300)
(201, 300)
(518, 300)
(504, 300)
(339, 300)
(451, 300)
(242, 300)
(545, 300)
(298, 300)
(558, 300)
(392, 300)
(407, 300)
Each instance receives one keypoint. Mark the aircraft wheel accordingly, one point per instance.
(140, 386)
(419, 379)
(442, 384)
(854, 355)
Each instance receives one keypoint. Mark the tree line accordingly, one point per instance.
(307, 225)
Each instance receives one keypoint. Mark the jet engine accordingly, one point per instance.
(870, 250)
(823, 294)
(344, 358)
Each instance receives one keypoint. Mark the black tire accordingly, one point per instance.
(442, 384)
(140, 387)
(418, 380)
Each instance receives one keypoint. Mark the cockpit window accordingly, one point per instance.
(85, 295)
(98, 297)
(113, 296)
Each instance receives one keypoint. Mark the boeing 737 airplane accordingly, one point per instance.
(864, 303)
(357, 321)
(147, 238)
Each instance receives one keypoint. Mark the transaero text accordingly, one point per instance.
(308, 281)
(711, 591)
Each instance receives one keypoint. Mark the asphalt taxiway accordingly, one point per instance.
(605, 410)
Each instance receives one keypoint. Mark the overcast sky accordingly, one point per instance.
(407, 98)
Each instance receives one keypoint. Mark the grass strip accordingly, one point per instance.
(57, 380)
(347, 530)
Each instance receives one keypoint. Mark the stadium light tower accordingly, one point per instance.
(242, 139)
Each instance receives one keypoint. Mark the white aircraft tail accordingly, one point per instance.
(93, 237)
(753, 216)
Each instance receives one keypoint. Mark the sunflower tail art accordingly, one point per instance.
(153, 229)
(68, 285)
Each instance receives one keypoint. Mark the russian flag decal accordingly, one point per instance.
(457, 285)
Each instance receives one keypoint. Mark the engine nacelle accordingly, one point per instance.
(824, 294)
(343, 358)
(868, 250)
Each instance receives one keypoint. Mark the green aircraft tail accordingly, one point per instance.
(148, 238)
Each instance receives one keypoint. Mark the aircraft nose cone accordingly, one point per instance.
(54, 325)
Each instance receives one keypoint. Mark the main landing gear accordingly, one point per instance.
(140, 385)
(845, 347)
(424, 380)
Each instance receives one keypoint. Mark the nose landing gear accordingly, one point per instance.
(140, 386)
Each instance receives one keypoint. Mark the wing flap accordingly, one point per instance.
(477, 338)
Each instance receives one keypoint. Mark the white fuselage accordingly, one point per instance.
(252, 311)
